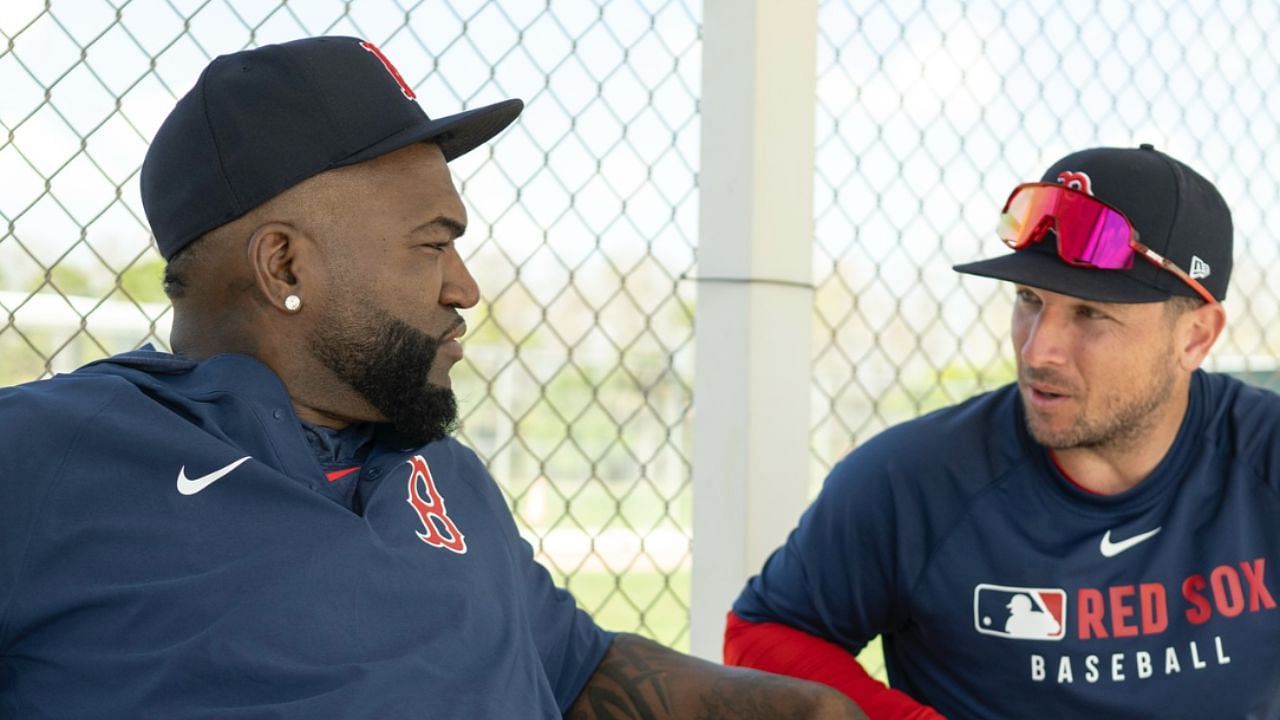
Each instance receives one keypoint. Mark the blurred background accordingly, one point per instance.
(577, 387)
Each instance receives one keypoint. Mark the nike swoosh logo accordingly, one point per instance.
(1112, 549)
(191, 486)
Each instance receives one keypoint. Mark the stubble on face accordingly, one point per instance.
(1123, 411)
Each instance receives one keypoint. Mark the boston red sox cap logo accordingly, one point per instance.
(427, 502)
(1078, 180)
(391, 69)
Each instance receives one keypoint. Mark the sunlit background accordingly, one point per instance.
(577, 388)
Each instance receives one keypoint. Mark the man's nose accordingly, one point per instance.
(1046, 339)
(458, 288)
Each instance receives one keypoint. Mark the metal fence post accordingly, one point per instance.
(755, 296)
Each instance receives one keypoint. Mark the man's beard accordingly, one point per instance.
(1120, 423)
(387, 362)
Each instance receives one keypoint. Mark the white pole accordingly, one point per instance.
(755, 296)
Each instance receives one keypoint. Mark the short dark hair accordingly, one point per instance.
(177, 272)
(1176, 305)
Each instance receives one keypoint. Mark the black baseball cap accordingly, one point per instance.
(260, 121)
(1176, 212)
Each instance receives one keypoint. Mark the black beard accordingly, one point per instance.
(387, 362)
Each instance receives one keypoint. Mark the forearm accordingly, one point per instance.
(781, 649)
(639, 678)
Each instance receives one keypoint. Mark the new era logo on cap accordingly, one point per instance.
(1199, 268)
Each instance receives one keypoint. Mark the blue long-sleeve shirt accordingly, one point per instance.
(1003, 590)
(149, 570)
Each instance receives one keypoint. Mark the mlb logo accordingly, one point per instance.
(1020, 612)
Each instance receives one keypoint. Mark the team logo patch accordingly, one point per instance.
(1020, 612)
(391, 69)
(427, 502)
(1077, 181)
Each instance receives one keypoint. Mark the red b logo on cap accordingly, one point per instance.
(391, 69)
(1078, 180)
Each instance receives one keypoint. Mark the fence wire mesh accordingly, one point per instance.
(930, 111)
(577, 386)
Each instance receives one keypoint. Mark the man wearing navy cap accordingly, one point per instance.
(1098, 539)
(274, 520)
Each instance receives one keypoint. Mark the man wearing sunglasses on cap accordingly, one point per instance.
(274, 521)
(1100, 538)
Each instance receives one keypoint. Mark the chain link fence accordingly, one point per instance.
(577, 383)
(930, 111)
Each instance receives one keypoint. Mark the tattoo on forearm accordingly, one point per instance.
(626, 685)
(642, 680)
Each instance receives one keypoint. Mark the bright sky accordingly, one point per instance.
(929, 111)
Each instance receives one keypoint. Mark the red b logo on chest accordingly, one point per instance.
(425, 500)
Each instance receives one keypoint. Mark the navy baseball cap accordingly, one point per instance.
(1176, 212)
(260, 121)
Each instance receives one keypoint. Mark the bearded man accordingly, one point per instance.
(273, 520)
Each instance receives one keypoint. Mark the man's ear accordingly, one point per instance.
(1196, 332)
(285, 263)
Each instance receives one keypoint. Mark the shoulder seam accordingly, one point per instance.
(959, 520)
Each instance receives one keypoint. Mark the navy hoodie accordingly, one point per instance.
(170, 548)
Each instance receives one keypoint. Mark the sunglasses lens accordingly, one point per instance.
(1089, 233)
(1025, 215)
(1092, 234)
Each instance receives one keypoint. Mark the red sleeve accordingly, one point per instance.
(777, 648)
